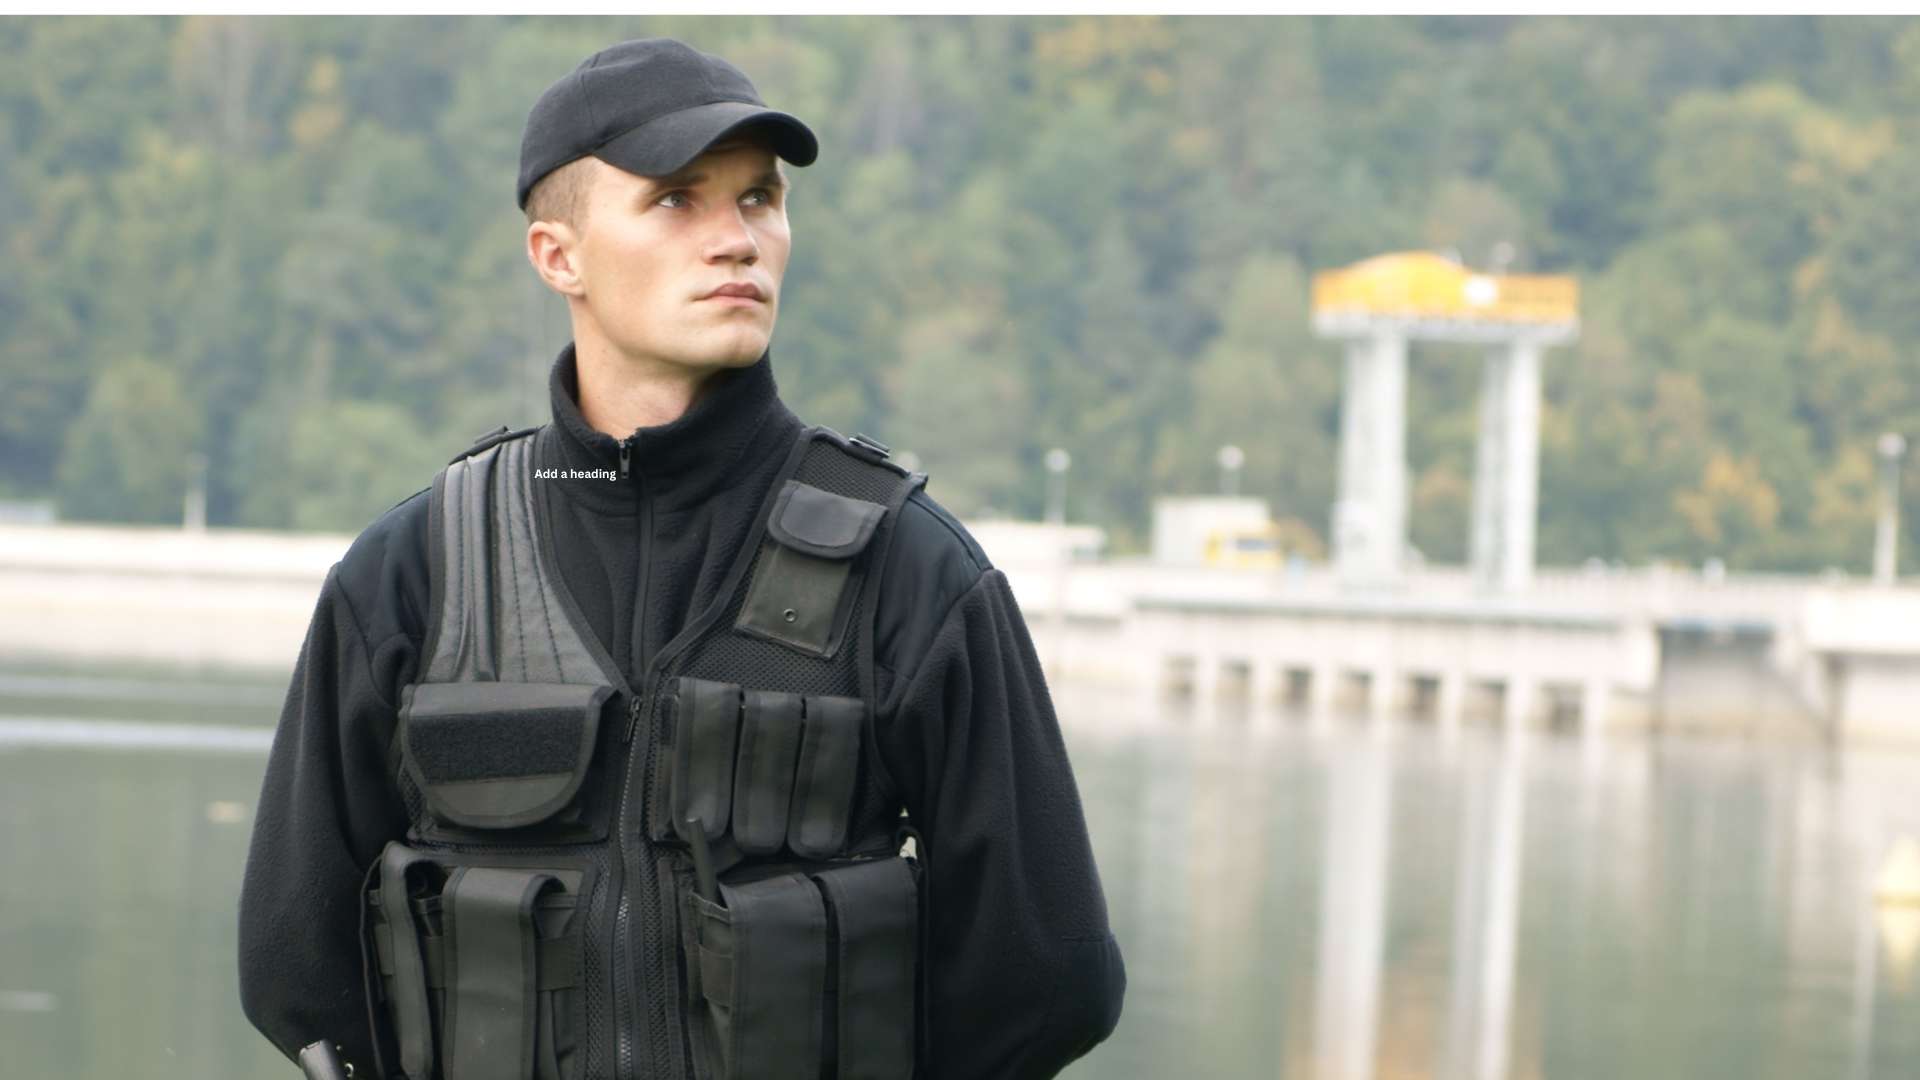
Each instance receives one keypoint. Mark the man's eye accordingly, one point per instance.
(767, 195)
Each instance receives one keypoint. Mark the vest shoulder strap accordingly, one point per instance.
(495, 612)
(491, 439)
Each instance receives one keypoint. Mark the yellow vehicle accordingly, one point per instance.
(1261, 548)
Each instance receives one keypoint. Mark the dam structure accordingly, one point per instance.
(1378, 634)
(1592, 650)
(1217, 614)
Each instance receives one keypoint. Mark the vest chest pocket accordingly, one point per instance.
(777, 770)
(807, 973)
(498, 756)
(478, 962)
(799, 595)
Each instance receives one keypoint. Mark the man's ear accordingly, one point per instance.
(550, 249)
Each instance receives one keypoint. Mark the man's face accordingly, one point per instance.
(654, 249)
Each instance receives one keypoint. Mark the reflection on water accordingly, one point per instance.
(1361, 901)
(1340, 901)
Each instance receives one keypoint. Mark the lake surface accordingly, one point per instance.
(1325, 900)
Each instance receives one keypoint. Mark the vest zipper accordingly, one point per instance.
(627, 1006)
(626, 971)
(626, 1009)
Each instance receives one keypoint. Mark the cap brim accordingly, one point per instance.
(666, 143)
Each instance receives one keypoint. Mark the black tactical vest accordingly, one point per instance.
(700, 874)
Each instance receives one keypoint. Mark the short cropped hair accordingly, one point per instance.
(561, 195)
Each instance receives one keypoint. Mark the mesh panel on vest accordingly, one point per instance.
(725, 655)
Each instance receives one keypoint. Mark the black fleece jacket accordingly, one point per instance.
(1024, 973)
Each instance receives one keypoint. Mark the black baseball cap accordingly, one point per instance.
(649, 106)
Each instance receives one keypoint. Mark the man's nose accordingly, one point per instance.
(731, 240)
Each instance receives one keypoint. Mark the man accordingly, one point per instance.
(594, 758)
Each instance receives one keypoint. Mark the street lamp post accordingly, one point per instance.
(1058, 462)
(1886, 534)
(193, 514)
(1231, 458)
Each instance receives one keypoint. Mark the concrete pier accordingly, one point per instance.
(1370, 518)
(1506, 482)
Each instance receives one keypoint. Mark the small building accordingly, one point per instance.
(1209, 529)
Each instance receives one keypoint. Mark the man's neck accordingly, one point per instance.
(619, 395)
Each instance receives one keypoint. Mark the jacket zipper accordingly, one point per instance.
(624, 1013)
(626, 971)
(627, 1013)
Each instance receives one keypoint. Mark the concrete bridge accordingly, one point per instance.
(1654, 648)
(1593, 650)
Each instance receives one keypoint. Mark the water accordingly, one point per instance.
(1293, 901)
(1349, 902)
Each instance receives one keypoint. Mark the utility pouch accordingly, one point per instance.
(799, 595)
(706, 723)
(770, 733)
(807, 974)
(492, 971)
(824, 775)
(479, 964)
(503, 755)
(776, 769)
(406, 924)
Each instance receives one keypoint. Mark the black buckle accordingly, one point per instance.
(871, 445)
(491, 438)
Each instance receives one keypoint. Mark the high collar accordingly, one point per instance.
(683, 461)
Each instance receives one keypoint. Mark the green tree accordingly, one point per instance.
(127, 456)
(1266, 385)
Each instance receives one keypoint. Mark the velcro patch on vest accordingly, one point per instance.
(500, 755)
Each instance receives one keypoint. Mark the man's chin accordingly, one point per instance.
(731, 347)
(737, 349)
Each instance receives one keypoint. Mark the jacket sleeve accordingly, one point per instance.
(1024, 975)
(326, 809)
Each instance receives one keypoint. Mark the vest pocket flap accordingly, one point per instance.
(500, 755)
(820, 523)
